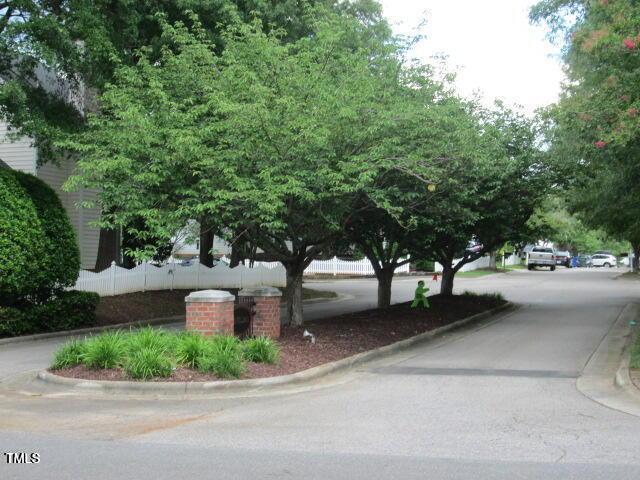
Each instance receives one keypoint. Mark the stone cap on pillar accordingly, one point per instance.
(210, 296)
(260, 292)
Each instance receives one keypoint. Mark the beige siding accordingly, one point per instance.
(81, 218)
(19, 154)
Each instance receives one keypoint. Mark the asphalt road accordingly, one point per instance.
(498, 401)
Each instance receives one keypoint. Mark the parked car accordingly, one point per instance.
(541, 257)
(584, 260)
(563, 258)
(604, 260)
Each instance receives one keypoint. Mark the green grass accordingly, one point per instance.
(260, 350)
(69, 355)
(154, 353)
(634, 362)
(483, 272)
(107, 350)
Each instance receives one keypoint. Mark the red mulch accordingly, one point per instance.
(336, 338)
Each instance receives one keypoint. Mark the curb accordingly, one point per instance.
(88, 330)
(260, 384)
(623, 377)
(605, 378)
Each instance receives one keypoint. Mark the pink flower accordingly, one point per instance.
(600, 144)
(629, 43)
(632, 112)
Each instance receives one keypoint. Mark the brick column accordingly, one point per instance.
(266, 319)
(210, 312)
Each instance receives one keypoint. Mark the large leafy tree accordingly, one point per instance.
(57, 56)
(268, 138)
(596, 123)
(486, 194)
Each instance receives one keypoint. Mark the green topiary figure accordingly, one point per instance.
(420, 300)
(39, 255)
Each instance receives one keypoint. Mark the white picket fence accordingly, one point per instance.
(335, 266)
(117, 280)
(482, 262)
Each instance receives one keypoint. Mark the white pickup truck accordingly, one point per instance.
(541, 257)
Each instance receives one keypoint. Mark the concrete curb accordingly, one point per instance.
(258, 384)
(623, 377)
(605, 378)
(89, 330)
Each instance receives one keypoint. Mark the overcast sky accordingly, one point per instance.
(491, 44)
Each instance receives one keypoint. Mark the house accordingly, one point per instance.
(20, 154)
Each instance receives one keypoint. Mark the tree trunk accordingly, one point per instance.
(206, 246)
(492, 261)
(446, 285)
(293, 295)
(108, 249)
(634, 262)
(385, 278)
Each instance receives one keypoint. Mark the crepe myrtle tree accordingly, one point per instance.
(268, 138)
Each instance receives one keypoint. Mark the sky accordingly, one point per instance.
(490, 44)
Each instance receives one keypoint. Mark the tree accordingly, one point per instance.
(487, 194)
(56, 57)
(595, 124)
(269, 139)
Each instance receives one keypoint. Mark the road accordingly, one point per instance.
(498, 401)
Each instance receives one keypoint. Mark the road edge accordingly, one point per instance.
(605, 378)
(260, 384)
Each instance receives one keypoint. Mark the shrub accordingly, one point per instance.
(189, 348)
(22, 242)
(150, 338)
(13, 322)
(226, 344)
(37, 243)
(221, 363)
(107, 350)
(65, 311)
(69, 355)
(260, 350)
(223, 356)
(496, 297)
(148, 362)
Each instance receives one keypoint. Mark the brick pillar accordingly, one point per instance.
(210, 312)
(266, 319)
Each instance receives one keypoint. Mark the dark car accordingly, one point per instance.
(563, 258)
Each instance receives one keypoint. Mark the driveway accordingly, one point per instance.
(498, 401)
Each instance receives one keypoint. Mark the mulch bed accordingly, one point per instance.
(140, 305)
(336, 338)
(130, 307)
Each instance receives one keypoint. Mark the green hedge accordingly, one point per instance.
(64, 311)
(39, 255)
